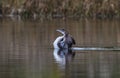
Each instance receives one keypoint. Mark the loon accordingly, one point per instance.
(65, 41)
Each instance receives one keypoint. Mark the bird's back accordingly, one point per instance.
(70, 41)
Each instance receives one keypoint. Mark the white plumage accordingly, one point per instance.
(55, 44)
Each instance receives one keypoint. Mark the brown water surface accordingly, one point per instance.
(26, 49)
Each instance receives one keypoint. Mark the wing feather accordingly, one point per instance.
(70, 41)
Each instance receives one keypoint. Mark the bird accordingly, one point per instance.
(65, 41)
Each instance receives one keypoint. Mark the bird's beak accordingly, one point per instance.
(60, 31)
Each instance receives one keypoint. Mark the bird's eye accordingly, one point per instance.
(63, 29)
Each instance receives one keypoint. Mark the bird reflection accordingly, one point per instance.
(63, 56)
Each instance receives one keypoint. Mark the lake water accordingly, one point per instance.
(26, 49)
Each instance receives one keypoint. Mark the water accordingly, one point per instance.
(26, 49)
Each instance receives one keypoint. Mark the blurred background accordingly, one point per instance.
(61, 8)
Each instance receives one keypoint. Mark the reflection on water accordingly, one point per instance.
(63, 56)
(26, 49)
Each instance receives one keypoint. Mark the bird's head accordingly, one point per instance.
(62, 31)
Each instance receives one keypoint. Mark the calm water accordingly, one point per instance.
(26, 49)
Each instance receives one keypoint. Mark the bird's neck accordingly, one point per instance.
(65, 35)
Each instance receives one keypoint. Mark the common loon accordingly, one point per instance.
(64, 41)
